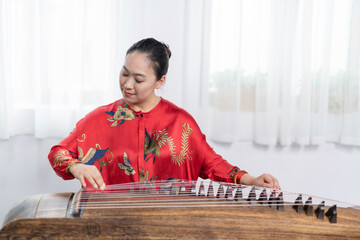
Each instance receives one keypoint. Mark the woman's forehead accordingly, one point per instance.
(138, 63)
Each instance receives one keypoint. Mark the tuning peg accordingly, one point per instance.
(280, 202)
(320, 210)
(228, 193)
(252, 196)
(332, 214)
(201, 189)
(238, 194)
(308, 208)
(210, 190)
(220, 193)
(273, 199)
(298, 205)
(263, 198)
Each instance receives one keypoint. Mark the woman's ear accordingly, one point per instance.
(160, 82)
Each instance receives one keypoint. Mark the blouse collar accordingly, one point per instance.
(124, 104)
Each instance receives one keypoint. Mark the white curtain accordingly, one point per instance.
(269, 71)
(59, 59)
(285, 72)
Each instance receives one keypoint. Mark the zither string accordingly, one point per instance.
(157, 194)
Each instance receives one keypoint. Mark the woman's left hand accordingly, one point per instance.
(264, 180)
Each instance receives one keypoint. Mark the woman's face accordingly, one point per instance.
(138, 80)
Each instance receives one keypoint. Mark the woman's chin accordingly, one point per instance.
(130, 100)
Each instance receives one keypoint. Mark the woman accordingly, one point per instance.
(143, 137)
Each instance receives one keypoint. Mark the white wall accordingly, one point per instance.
(329, 171)
(26, 171)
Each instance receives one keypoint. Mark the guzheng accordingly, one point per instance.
(181, 209)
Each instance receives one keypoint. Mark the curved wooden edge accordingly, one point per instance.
(53, 205)
(39, 206)
(23, 209)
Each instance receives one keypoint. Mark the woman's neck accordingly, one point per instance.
(146, 106)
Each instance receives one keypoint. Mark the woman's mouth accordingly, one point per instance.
(128, 94)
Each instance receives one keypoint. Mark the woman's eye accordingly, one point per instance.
(125, 74)
(137, 81)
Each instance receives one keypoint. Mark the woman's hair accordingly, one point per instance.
(158, 52)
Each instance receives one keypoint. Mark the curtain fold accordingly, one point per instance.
(289, 75)
(272, 72)
(59, 61)
(350, 131)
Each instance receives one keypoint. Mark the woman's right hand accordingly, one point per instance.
(89, 172)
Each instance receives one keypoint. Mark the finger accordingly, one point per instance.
(82, 181)
(92, 182)
(272, 181)
(268, 179)
(276, 184)
(267, 185)
(99, 180)
(263, 182)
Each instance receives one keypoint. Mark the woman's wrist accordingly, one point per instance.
(238, 176)
(247, 179)
(70, 166)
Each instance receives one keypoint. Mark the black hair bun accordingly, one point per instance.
(167, 49)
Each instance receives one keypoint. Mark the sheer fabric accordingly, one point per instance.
(286, 72)
(269, 71)
(59, 60)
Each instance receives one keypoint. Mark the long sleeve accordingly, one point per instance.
(214, 166)
(64, 155)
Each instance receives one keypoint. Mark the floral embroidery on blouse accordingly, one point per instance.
(121, 115)
(126, 166)
(158, 139)
(184, 153)
(154, 143)
(94, 155)
(144, 176)
(61, 157)
(83, 138)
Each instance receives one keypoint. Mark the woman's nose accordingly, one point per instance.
(129, 83)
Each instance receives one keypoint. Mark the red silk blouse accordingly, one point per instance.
(128, 146)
